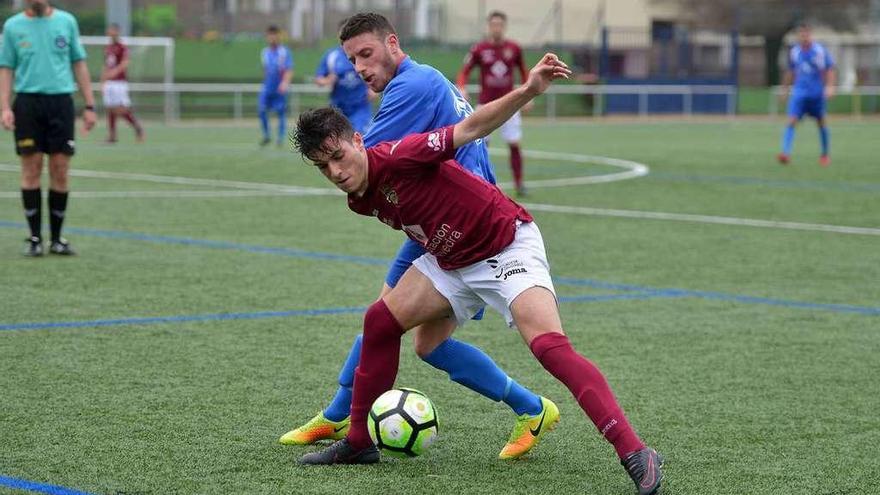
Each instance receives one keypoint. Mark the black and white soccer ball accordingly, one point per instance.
(403, 422)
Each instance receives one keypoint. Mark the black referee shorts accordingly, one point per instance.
(43, 123)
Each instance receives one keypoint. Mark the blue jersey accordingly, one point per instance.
(418, 99)
(276, 61)
(349, 92)
(808, 67)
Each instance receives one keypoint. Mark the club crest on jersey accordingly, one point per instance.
(507, 54)
(390, 194)
(61, 41)
(434, 141)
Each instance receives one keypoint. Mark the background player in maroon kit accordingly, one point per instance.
(114, 85)
(481, 247)
(497, 58)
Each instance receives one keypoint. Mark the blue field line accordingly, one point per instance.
(153, 320)
(597, 284)
(33, 486)
(775, 183)
(231, 246)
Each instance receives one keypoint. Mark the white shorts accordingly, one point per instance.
(116, 94)
(511, 131)
(495, 281)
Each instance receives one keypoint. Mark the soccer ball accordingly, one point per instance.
(403, 422)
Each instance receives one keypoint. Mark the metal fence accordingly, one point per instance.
(238, 101)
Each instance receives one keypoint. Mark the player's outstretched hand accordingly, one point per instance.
(89, 120)
(8, 119)
(545, 72)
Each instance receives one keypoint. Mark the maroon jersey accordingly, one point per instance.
(415, 185)
(114, 54)
(497, 63)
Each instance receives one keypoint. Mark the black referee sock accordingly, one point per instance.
(57, 208)
(31, 199)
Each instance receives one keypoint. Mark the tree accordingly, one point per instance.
(771, 19)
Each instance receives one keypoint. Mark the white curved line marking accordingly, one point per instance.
(633, 169)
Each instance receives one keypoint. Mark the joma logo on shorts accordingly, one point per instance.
(511, 272)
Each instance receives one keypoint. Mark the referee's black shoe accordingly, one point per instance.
(33, 247)
(61, 247)
(341, 452)
(645, 469)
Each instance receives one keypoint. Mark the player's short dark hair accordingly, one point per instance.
(114, 25)
(314, 127)
(498, 14)
(365, 22)
(273, 29)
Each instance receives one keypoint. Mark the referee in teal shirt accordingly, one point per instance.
(42, 51)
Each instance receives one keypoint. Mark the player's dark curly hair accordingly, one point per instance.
(365, 22)
(314, 127)
(498, 14)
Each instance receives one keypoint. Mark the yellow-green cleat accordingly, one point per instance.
(530, 429)
(318, 428)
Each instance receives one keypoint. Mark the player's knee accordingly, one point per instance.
(423, 347)
(380, 324)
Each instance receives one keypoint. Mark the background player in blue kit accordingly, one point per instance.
(418, 98)
(277, 72)
(349, 93)
(811, 70)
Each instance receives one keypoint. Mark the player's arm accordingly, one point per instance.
(465, 73)
(324, 76)
(84, 81)
(829, 75)
(492, 115)
(523, 76)
(8, 117)
(121, 67)
(287, 76)
(8, 62)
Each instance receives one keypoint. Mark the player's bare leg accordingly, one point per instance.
(537, 317)
(31, 170)
(412, 302)
(112, 115)
(59, 167)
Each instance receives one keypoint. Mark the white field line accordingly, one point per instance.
(232, 193)
(684, 217)
(633, 169)
(272, 189)
(170, 179)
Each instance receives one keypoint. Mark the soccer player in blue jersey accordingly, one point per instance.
(277, 72)
(811, 78)
(348, 92)
(418, 98)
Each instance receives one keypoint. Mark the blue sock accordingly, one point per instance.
(787, 139)
(824, 138)
(475, 370)
(264, 123)
(340, 406)
(282, 126)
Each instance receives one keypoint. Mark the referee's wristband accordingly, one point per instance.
(90, 107)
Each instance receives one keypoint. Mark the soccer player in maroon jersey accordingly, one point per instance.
(114, 86)
(497, 58)
(482, 249)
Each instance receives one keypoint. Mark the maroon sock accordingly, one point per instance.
(111, 125)
(588, 385)
(376, 370)
(516, 164)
